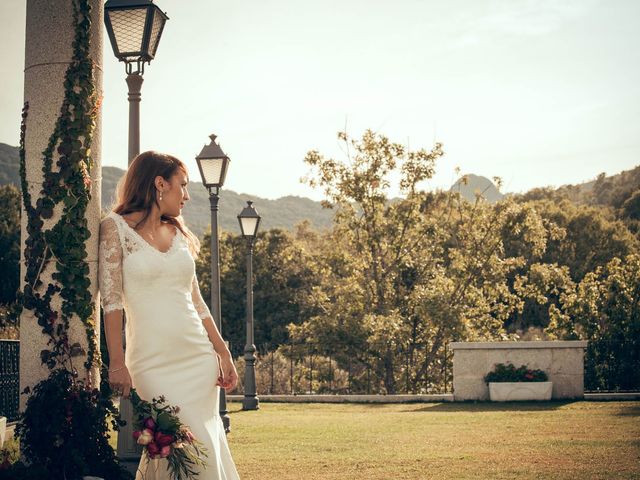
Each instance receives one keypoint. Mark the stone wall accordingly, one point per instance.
(563, 361)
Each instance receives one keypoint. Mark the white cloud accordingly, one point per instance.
(519, 18)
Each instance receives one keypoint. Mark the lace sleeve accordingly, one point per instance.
(110, 266)
(198, 301)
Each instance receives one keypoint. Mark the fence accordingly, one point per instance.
(9, 379)
(302, 368)
(305, 369)
(612, 365)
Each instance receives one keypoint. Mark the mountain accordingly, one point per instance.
(284, 212)
(615, 191)
(9, 165)
(469, 185)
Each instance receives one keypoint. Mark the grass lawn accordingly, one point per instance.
(551, 440)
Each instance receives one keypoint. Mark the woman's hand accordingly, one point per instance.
(228, 376)
(120, 380)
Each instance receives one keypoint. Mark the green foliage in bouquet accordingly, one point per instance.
(509, 373)
(159, 430)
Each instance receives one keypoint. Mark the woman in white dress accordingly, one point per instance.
(173, 348)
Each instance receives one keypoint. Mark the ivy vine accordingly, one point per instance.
(65, 426)
(67, 187)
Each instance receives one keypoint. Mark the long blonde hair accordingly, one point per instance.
(136, 191)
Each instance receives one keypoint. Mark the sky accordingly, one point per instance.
(539, 93)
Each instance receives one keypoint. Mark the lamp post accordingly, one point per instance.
(213, 164)
(249, 221)
(134, 28)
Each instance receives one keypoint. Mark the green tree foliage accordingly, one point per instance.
(604, 308)
(574, 240)
(283, 280)
(401, 278)
(9, 243)
(539, 288)
(616, 195)
(631, 206)
(588, 236)
(614, 191)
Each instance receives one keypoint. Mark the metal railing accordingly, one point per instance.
(299, 369)
(9, 379)
(612, 366)
(302, 368)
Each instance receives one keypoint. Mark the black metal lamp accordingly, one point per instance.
(134, 28)
(249, 221)
(213, 164)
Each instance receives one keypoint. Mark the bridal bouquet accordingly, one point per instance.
(159, 430)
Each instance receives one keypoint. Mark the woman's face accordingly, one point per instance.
(174, 194)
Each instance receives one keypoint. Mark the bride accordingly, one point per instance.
(147, 269)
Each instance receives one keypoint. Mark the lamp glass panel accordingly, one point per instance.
(249, 225)
(156, 27)
(211, 169)
(128, 28)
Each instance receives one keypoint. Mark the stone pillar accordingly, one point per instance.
(48, 52)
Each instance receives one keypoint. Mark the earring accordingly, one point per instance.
(160, 196)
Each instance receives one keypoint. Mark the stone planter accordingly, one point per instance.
(511, 391)
(3, 429)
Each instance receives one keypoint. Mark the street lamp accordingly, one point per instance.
(213, 164)
(134, 28)
(249, 221)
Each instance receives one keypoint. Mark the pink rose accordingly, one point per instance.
(144, 437)
(165, 451)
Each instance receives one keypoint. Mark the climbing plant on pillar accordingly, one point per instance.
(65, 426)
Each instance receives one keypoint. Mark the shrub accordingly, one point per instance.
(64, 430)
(509, 373)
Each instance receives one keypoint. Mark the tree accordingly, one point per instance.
(604, 309)
(631, 206)
(582, 237)
(539, 288)
(9, 243)
(283, 279)
(402, 277)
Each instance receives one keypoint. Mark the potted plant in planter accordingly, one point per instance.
(508, 383)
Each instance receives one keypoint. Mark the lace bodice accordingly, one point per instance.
(120, 244)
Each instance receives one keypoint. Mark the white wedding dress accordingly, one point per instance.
(168, 351)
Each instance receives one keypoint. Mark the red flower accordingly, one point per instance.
(150, 424)
(153, 449)
(163, 439)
